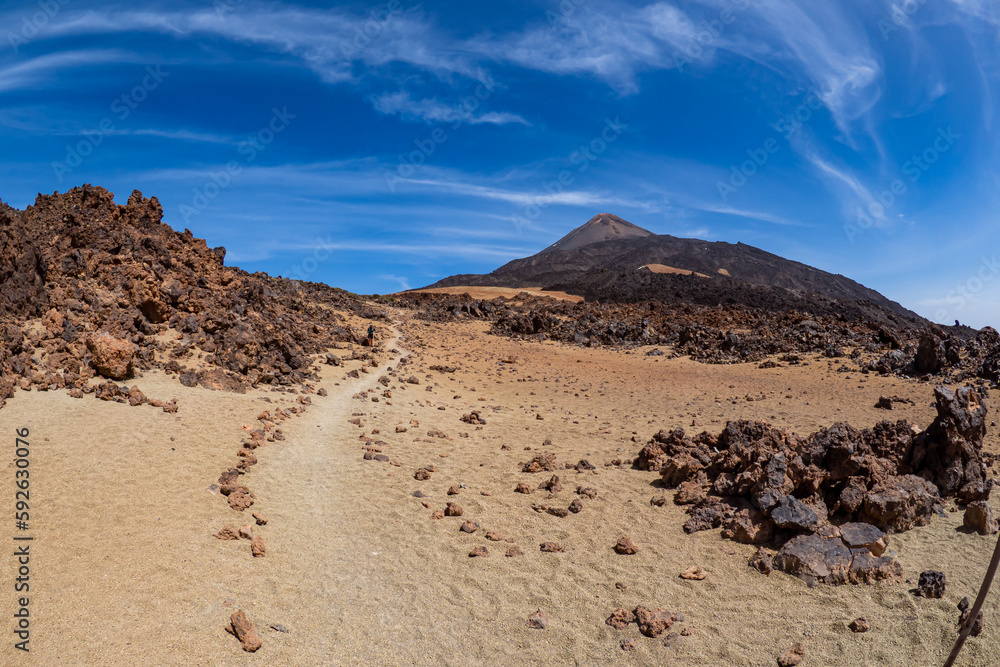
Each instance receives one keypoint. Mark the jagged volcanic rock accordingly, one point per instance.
(762, 484)
(77, 266)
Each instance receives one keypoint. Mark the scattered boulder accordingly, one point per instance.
(625, 546)
(538, 620)
(860, 625)
(257, 547)
(653, 622)
(553, 485)
(228, 533)
(694, 573)
(241, 500)
(451, 509)
(792, 656)
(979, 517)
(761, 561)
(620, 619)
(552, 547)
(965, 609)
(479, 552)
(245, 631)
(541, 463)
(931, 584)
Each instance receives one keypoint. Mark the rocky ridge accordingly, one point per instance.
(89, 287)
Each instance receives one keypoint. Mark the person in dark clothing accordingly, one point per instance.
(371, 335)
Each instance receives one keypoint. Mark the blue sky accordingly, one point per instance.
(376, 146)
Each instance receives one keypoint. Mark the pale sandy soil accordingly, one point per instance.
(125, 569)
(494, 292)
(663, 268)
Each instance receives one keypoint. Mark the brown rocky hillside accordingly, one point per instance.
(88, 286)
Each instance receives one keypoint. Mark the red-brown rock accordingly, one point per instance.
(626, 546)
(653, 622)
(245, 631)
(228, 533)
(792, 656)
(240, 500)
(542, 462)
(257, 546)
(979, 517)
(111, 357)
(620, 619)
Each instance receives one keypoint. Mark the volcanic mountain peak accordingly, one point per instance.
(602, 227)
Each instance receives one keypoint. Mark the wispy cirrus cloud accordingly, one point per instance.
(41, 71)
(325, 40)
(402, 104)
(529, 196)
(178, 135)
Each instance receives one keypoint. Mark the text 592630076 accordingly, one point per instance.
(22, 546)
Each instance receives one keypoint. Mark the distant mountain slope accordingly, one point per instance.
(602, 227)
(588, 249)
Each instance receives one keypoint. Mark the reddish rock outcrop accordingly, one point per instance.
(106, 280)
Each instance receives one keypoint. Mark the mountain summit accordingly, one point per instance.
(602, 227)
(602, 260)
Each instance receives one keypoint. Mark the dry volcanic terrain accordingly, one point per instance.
(503, 478)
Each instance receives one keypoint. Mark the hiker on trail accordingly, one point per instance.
(371, 335)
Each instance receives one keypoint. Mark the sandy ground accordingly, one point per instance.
(495, 292)
(125, 569)
(663, 268)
